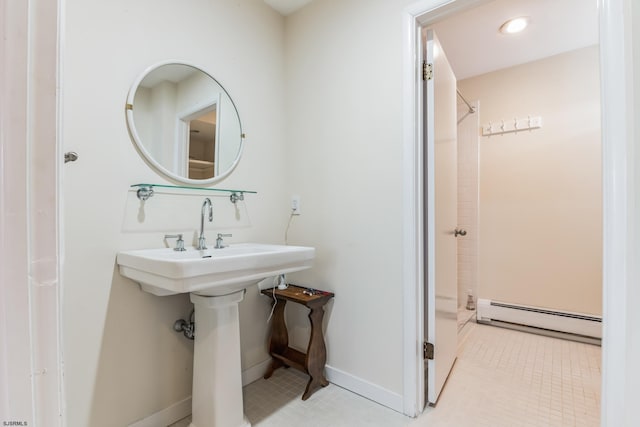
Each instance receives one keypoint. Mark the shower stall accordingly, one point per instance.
(468, 134)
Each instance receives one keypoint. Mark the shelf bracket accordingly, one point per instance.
(234, 197)
(144, 193)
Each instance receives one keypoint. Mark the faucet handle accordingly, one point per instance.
(219, 242)
(179, 242)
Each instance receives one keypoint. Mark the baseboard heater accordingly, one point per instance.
(563, 322)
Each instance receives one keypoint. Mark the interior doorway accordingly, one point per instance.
(423, 14)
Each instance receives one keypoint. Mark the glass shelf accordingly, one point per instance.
(146, 190)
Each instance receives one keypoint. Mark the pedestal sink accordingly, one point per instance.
(216, 280)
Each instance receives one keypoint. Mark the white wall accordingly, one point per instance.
(540, 192)
(344, 157)
(122, 360)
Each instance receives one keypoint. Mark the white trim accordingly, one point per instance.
(62, 397)
(619, 213)
(166, 416)
(371, 391)
(43, 181)
(16, 351)
(342, 379)
(255, 372)
(412, 265)
(365, 389)
(31, 293)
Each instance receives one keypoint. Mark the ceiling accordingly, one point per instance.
(474, 46)
(286, 7)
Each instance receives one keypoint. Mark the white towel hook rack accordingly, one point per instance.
(517, 125)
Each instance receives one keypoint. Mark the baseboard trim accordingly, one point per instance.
(368, 390)
(365, 389)
(166, 416)
(341, 379)
(255, 372)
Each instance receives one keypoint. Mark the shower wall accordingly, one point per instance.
(468, 125)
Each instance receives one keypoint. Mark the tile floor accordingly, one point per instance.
(464, 316)
(502, 378)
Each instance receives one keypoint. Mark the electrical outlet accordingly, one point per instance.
(295, 204)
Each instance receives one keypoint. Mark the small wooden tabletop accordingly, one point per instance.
(300, 295)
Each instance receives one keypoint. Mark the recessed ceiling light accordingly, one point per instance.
(514, 25)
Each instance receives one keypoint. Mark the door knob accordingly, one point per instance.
(460, 232)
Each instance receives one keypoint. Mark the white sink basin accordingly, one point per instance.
(213, 272)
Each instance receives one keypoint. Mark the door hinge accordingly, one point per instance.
(427, 350)
(427, 71)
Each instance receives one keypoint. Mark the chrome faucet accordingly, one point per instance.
(220, 242)
(179, 242)
(201, 241)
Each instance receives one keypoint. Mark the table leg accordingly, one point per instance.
(279, 340)
(316, 353)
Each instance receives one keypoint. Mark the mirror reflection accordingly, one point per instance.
(184, 123)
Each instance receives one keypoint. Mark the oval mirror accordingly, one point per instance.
(184, 123)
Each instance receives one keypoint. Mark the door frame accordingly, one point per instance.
(30, 162)
(621, 205)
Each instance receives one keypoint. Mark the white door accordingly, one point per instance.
(441, 325)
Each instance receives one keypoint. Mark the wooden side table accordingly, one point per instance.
(312, 362)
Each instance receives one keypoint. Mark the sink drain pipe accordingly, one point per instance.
(188, 329)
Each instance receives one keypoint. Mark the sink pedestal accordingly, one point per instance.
(217, 373)
(217, 283)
